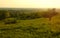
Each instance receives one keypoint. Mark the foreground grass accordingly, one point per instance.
(36, 28)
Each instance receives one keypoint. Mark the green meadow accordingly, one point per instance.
(31, 28)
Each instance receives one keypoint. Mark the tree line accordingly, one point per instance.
(26, 15)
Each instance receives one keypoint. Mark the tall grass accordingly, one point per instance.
(36, 28)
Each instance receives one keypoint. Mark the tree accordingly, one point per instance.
(50, 13)
(2, 14)
(7, 14)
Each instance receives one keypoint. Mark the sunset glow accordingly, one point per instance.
(30, 3)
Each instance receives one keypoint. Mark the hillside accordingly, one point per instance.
(35, 28)
(30, 23)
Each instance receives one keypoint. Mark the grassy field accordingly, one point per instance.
(35, 28)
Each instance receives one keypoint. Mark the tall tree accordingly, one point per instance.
(7, 14)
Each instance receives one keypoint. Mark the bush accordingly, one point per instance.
(10, 21)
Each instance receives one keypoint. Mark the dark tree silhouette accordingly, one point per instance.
(50, 14)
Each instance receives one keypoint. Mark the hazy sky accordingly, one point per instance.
(30, 3)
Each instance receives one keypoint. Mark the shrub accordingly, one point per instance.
(10, 21)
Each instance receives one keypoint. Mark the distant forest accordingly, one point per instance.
(27, 14)
(20, 14)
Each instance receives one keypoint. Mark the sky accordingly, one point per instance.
(29, 3)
